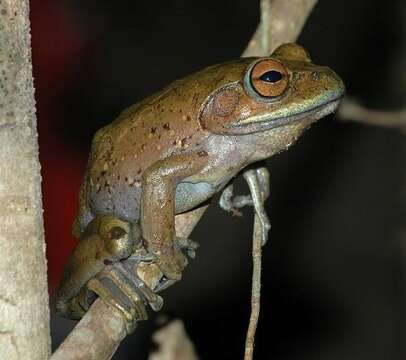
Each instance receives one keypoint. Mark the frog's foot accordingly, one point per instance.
(76, 307)
(187, 245)
(172, 263)
(119, 286)
(258, 180)
(233, 203)
(164, 283)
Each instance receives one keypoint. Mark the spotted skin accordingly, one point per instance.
(176, 149)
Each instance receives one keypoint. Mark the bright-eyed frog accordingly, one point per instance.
(176, 149)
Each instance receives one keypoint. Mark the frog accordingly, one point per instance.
(175, 150)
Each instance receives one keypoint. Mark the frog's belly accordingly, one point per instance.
(126, 204)
(189, 195)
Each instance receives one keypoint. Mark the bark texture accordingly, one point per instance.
(285, 24)
(24, 312)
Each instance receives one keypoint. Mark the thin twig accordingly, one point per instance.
(351, 110)
(260, 232)
(256, 288)
(289, 18)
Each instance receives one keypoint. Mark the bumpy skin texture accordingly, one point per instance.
(177, 148)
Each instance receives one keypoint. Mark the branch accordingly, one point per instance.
(351, 110)
(256, 289)
(104, 323)
(173, 343)
(288, 19)
(24, 312)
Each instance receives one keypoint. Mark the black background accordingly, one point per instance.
(333, 271)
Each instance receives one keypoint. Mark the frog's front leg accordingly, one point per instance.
(258, 182)
(232, 203)
(158, 208)
(254, 183)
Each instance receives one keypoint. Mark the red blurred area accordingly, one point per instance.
(56, 47)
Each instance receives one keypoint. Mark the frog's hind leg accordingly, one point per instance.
(83, 219)
(106, 240)
(85, 215)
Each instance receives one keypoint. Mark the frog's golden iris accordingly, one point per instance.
(269, 78)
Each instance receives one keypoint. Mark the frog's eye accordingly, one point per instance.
(117, 232)
(269, 78)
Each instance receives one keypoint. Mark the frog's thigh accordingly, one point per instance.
(158, 197)
(107, 239)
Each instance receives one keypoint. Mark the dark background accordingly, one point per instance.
(334, 269)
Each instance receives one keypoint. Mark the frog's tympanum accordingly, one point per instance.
(173, 151)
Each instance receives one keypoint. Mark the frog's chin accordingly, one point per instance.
(260, 124)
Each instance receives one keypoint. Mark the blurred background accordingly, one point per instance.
(334, 271)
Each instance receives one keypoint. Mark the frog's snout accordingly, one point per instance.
(331, 82)
(340, 85)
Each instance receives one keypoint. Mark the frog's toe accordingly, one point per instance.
(188, 245)
(170, 270)
(120, 287)
(185, 243)
(75, 307)
(172, 264)
(234, 203)
(191, 253)
(239, 201)
(148, 257)
(164, 283)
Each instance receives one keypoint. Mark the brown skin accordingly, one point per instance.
(176, 149)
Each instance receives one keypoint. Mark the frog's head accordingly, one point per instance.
(272, 92)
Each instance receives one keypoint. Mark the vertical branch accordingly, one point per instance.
(24, 312)
(265, 26)
(256, 289)
(288, 19)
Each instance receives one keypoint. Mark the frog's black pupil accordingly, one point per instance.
(271, 76)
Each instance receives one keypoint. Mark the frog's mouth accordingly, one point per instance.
(265, 122)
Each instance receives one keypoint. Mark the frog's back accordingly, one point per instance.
(162, 125)
(121, 151)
